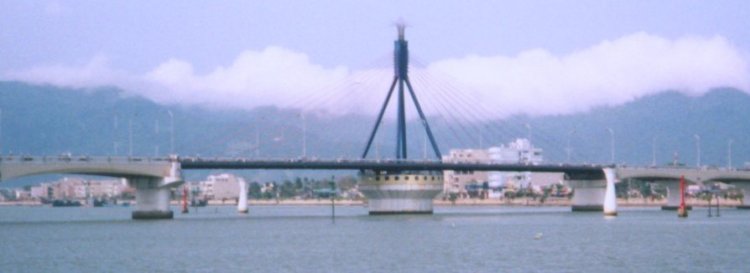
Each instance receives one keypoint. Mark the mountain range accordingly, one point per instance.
(48, 120)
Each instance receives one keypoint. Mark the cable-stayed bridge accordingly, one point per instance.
(391, 186)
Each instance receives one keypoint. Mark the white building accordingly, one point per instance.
(519, 151)
(221, 186)
(78, 188)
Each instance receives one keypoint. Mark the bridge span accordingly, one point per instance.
(572, 171)
(153, 177)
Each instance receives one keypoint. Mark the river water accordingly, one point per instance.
(307, 239)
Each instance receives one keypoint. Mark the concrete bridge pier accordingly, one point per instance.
(588, 195)
(152, 200)
(152, 194)
(610, 196)
(673, 195)
(242, 201)
(400, 192)
(745, 186)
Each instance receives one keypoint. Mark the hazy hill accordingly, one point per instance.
(45, 120)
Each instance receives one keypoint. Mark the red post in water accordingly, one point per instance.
(682, 211)
(184, 199)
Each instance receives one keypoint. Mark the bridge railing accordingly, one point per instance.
(680, 167)
(67, 158)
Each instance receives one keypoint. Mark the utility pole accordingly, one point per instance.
(114, 140)
(528, 132)
(257, 141)
(729, 152)
(156, 132)
(171, 132)
(304, 135)
(568, 149)
(130, 137)
(480, 136)
(653, 151)
(698, 150)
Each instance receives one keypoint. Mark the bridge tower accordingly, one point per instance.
(401, 77)
(403, 192)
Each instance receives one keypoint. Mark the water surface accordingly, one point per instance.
(306, 239)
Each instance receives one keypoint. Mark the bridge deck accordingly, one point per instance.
(387, 165)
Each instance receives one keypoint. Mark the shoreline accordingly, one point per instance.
(519, 202)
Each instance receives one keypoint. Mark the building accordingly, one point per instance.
(519, 151)
(220, 187)
(79, 188)
(107, 188)
(455, 182)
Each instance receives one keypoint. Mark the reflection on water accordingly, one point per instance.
(307, 239)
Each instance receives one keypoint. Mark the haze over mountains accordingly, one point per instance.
(46, 120)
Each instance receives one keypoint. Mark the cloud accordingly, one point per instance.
(96, 72)
(269, 77)
(613, 72)
(534, 82)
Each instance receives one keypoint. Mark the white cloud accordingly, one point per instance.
(269, 77)
(96, 72)
(533, 82)
(610, 73)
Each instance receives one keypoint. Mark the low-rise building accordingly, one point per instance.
(455, 182)
(79, 188)
(221, 186)
(492, 184)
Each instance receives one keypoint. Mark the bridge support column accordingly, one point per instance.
(588, 195)
(610, 197)
(152, 194)
(242, 200)
(152, 201)
(400, 193)
(673, 195)
(745, 193)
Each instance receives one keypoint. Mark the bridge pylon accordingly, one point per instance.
(401, 192)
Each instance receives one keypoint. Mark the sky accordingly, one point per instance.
(524, 57)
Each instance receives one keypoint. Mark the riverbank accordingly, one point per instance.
(517, 202)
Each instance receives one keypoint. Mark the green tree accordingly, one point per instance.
(254, 190)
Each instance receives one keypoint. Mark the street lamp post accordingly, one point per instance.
(156, 143)
(698, 150)
(130, 137)
(528, 132)
(115, 126)
(568, 149)
(171, 132)
(611, 144)
(304, 136)
(653, 151)
(257, 140)
(729, 152)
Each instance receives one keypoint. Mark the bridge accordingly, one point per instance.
(153, 177)
(391, 186)
(670, 176)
